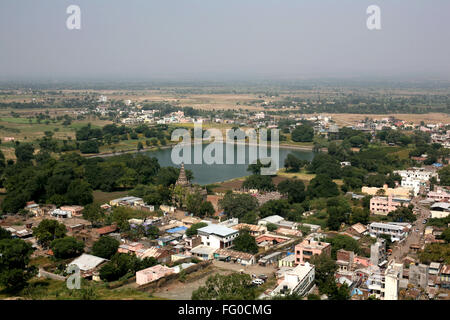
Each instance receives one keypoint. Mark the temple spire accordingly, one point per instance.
(182, 179)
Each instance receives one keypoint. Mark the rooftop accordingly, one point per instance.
(217, 230)
(87, 262)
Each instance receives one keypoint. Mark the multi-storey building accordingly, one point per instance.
(397, 232)
(309, 247)
(385, 205)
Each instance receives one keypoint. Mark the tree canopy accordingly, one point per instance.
(235, 286)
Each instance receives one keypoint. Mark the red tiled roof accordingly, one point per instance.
(106, 230)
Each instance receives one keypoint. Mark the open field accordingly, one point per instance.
(46, 289)
(345, 119)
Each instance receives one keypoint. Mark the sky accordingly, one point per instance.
(176, 39)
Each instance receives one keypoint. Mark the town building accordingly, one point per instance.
(415, 178)
(298, 281)
(385, 205)
(439, 195)
(151, 274)
(418, 275)
(288, 261)
(440, 210)
(392, 276)
(203, 252)
(278, 221)
(217, 236)
(378, 254)
(88, 264)
(234, 256)
(396, 231)
(127, 201)
(399, 192)
(309, 247)
(255, 230)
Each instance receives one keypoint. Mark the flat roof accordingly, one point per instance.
(203, 250)
(218, 229)
(87, 261)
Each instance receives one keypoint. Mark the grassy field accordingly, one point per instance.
(101, 197)
(46, 289)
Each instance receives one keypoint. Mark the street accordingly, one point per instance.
(401, 250)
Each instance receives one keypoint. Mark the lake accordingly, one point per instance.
(212, 173)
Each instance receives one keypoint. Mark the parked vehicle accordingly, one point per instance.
(263, 277)
(258, 282)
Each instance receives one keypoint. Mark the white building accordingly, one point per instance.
(397, 231)
(440, 210)
(217, 236)
(61, 213)
(299, 280)
(415, 178)
(385, 285)
(392, 276)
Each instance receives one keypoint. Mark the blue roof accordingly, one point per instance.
(177, 229)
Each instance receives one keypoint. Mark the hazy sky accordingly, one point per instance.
(223, 38)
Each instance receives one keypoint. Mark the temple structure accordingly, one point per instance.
(182, 179)
(183, 182)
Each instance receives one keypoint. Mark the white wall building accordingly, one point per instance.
(415, 178)
(440, 210)
(298, 280)
(396, 231)
(217, 236)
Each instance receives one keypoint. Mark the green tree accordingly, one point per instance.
(359, 215)
(206, 209)
(24, 152)
(120, 265)
(192, 231)
(325, 267)
(260, 182)
(322, 187)
(4, 234)
(446, 235)
(105, 247)
(275, 207)
(402, 214)
(226, 287)
(15, 270)
(238, 205)
(444, 176)
(294, 189)
(193, 203)
(67, 247)
(93, 213)
(90, 146)
(271, 227)
(49, 230)
(341, 241)
(245, 242)
(303, 133)
(435, 252)
(80, 192)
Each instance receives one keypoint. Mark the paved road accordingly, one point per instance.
(402, 249)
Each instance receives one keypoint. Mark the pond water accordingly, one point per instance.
(212, 173)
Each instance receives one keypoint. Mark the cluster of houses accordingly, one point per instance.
(415, 182)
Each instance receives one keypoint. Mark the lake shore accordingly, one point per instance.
(110, 154)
